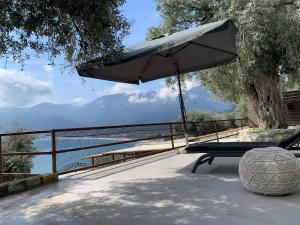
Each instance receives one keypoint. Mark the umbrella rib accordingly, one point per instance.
(217, 49)
(202, 45)
(147, 64)
(178, 50)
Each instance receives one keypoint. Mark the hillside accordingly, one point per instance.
(110, 110)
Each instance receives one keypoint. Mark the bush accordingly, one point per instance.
(18, 143)
(201, 127)
(230, 122)
(203, 124)
(197, 116)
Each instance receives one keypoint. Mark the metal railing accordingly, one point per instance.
(68, 148)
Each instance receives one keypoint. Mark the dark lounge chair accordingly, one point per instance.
(236, 149)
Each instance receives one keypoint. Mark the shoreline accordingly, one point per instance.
(84, 138)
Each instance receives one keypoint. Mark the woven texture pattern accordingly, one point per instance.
(270, 171)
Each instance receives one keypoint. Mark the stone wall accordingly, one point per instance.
(24, 184)
(275, 135)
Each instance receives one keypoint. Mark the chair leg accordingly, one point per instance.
(211, 160)
(202, 159)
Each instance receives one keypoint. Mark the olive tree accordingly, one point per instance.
(268, 42)
(78, 30)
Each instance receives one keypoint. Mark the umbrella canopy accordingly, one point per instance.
(189, 50)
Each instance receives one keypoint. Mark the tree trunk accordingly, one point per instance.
(266, 94)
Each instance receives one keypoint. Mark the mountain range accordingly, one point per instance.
(113, 109)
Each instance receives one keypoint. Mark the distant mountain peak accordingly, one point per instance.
(141, 107)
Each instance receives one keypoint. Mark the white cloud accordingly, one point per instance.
(137, 96)
(165, 94)
(119, 88)
(48, 68)
(190, 84)
(77, 101)
(137, 99)
(18, 88)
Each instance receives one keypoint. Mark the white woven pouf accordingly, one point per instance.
(270, 171)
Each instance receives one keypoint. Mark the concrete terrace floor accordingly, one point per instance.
(156, 190)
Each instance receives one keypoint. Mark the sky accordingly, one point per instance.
(40, 82)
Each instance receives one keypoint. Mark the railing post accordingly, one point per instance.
(252, 123)
(1, 163)
(216, 130)
(53, 141)
(171, 136)
(242, 124)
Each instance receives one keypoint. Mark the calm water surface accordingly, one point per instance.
(43, 164)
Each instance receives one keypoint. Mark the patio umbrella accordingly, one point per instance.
(185, 51)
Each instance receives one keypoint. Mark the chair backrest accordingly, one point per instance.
(290, 141)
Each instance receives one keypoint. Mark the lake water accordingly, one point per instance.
(43, 163)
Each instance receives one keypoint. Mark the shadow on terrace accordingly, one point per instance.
(156, 192)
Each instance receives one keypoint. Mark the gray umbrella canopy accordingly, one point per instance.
(189, 50)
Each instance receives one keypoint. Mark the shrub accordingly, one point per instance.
(18, 143)
(200, 127)
(205, 122)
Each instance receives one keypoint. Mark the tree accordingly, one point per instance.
(268, 43)
(79, 30)
(199, 128)
(18, 143)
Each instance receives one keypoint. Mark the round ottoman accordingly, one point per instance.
(269, 171)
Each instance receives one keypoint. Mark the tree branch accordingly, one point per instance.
(286, 3)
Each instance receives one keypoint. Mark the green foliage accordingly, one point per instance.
(268, 43)
(197, 116)
(205, 122)
(268, 37)
(239, 113)
(18, 143)
(80, 30)
(241, 108)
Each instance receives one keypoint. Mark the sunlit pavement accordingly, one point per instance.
(156, 190)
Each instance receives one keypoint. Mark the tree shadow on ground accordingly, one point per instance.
(213, 195)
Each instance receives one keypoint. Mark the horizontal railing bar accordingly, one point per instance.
(49, 152)
(114, 161)
(108, 134)
(89, 147)
(230, 135)
(217, 138)
(110, 127)
(113, 126)
(213, 121)
(19, 174)
(140, 125)
(109, 144)
(25, 132)
(25, 153)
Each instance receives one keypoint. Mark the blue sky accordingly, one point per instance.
(39, 82)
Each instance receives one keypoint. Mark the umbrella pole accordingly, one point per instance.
(182, 109)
